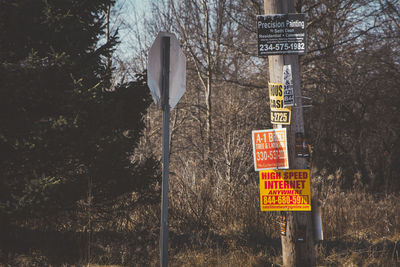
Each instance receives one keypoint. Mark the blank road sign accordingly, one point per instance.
(177, 72)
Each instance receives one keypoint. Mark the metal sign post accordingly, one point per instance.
(166, 77)
(165, 152)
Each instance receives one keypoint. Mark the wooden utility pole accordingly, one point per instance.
(298, 243)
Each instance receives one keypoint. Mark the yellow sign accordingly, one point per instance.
(279, 114)
(285, 190)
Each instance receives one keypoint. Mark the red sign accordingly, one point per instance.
(270, 149)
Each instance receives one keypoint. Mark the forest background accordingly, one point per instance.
(80, 139)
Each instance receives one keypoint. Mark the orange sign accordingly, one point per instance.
(270, 149)
(285, 190)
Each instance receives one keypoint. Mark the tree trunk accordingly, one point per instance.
(208, 91)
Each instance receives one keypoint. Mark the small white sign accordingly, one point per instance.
(288, 96)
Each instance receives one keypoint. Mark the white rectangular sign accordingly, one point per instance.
(288, 96)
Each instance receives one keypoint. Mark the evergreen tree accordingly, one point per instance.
(61, 128)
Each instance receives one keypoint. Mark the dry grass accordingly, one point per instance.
(218, 257)
(228, 229)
